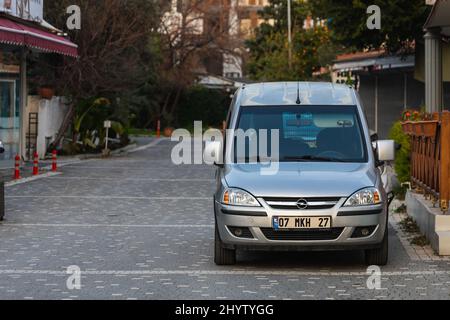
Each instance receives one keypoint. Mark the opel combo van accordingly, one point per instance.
(314, 184)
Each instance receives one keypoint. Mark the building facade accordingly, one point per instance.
(23, 32)
(390, 84)
(385, 83)
(230, 21)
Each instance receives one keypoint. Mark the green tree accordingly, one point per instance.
(401, 22)
(269, 49)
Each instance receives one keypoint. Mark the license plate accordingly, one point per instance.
(301, 223)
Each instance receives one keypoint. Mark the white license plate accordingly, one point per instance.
(301, 223)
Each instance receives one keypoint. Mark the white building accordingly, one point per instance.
(23, 31)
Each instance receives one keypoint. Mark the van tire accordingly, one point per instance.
(222, 256)
(379, 256)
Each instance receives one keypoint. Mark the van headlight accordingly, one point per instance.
(237, 197)
(364, 197)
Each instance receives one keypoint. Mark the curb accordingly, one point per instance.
(29, 179)
(131, 148)
(92, 156)
(149, 145)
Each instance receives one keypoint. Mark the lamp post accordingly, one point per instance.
(289, 21)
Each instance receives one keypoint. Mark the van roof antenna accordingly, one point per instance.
(298, 94)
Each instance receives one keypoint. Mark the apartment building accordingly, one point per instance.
(231, 21)
(249, 18)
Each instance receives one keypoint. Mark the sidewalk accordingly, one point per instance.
(26, 169)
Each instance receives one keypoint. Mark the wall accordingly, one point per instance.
(390, 98)
(51, 115)
(30, 10)
(433, 223)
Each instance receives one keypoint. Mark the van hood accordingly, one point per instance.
(303, 179)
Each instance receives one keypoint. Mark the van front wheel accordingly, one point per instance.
(222, 256)
(379, 256)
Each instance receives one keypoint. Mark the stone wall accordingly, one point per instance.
(433, 223)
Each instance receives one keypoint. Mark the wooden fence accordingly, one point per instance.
(430, 156)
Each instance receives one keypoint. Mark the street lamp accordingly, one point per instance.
(289, 21)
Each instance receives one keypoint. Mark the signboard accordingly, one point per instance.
(25, 9)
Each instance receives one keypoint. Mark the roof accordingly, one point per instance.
(286, 93)
(440, 17)
(213, 82)
(360, 55)
(380, 63)
(15, 33)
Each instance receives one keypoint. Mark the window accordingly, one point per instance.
(314, 133)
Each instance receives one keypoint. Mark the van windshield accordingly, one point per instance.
(306, 133)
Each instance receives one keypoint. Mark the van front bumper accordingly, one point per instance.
(257, 232)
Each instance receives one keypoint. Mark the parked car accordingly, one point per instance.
(327, 192)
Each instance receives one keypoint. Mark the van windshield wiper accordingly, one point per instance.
(312, 158)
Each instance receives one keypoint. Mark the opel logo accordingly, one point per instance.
(302, 204)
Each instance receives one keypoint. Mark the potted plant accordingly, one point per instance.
(168, 131)
(46, 92)
(429, 128)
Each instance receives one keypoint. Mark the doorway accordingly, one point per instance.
(9, 121)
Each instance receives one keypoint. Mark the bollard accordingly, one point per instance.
(54, 161)
(2, 199)
(2, 188)
(17, 168)
(36, 164)
(158, 129)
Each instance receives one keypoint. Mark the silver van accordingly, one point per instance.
(315, 185)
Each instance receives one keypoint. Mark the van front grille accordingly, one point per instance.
(292, 203)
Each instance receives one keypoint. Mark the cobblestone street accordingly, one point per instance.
(140, 227)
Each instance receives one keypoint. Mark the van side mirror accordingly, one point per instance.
(386, 150)
(213, 154)
(374, 137)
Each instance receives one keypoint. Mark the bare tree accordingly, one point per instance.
(190, 33)
(112, 48)
(113, 43)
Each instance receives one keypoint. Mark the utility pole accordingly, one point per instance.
(289, 33)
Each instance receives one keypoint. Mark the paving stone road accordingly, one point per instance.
(140, 227)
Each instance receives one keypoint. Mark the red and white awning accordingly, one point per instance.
(15, 33)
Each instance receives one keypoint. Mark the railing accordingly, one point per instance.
(430, 156)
